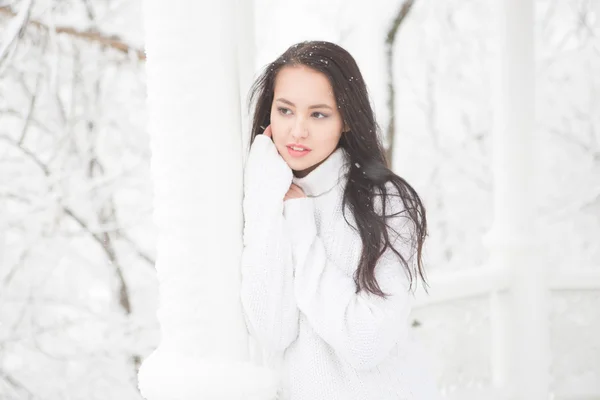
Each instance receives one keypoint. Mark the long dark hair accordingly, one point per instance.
(369, 169)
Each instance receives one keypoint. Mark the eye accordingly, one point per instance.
(319, 115)
(284, 111)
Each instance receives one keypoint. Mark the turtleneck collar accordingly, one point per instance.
(326, 175)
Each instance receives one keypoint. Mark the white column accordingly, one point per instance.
(511, 238)
(246, 52)
(3, 230)
(194, 124)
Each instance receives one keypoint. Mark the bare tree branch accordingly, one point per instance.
(143, 255)
(15, 27)
(15, 383)
(111, 41)
(98, 237)
(90, 10)
(29, 113)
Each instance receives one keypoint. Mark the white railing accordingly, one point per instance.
(482, 281)
(492, 283)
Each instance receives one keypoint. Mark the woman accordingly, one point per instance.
(332, 237)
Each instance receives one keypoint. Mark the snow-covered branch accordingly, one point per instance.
(111, 41)
(15, 27)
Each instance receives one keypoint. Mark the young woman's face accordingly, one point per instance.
(304, 111)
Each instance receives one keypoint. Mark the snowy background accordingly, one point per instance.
(78, 292)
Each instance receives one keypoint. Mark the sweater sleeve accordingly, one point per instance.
(268, 302)
(362, 328)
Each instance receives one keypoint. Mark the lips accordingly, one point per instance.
(298, 146)
(295, 153)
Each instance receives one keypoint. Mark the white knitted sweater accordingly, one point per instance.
(299, 296)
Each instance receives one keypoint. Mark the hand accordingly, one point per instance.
(295, 192)
(266, 174)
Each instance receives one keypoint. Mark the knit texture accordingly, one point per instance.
(299, 296)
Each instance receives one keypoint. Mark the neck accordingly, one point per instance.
(304, 172)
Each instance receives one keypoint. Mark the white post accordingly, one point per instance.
(512, 247)
(194, 123)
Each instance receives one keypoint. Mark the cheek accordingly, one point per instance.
(278, 128)
(279, 125)
(329, 127)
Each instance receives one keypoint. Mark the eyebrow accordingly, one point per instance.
(281, 99)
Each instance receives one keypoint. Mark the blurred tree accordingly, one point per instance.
(76, 278)
(390, 40)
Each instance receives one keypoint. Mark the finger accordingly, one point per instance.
(298, 190)
(297, 194)
(268, 132)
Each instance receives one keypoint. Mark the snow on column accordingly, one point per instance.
(194, 124)
(526, 367)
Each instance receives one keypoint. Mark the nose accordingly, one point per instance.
(299, 129)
